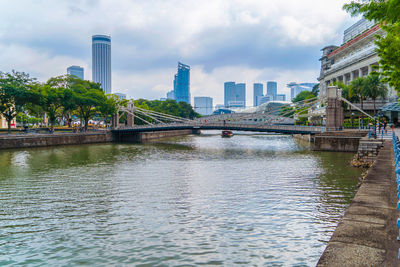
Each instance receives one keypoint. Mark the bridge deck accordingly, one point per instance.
(287, 129)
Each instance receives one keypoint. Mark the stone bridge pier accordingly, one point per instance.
(334, 109)
(129, 116)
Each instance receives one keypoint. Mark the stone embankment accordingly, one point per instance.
(367, 233)
(140, 137)
(42, 140)
(340, 141)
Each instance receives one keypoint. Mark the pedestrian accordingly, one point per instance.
(384, 126)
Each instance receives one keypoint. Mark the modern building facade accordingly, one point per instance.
(258, 90)
(234, 95)
(203, 105)
(264, 99)
(354, 58)
(182, 83)
(120, 95)
(272, 89)
(280, 97)
(101, 61)
(297, 88)
(171, 95)
(76, 71)
(229, 92)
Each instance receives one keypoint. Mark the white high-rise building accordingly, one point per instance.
(101, 61)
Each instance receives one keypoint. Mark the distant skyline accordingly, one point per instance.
(222, 40)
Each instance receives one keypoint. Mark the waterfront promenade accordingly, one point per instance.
(366, 235)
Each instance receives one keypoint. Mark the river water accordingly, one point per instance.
(250, 200)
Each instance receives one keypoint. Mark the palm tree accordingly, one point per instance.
(358, 88)
(375, 88)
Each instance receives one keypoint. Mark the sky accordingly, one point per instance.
(246, 41)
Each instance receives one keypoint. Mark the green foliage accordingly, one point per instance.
(315, 90)
(357, 87)
(60, 96)
(303, 96)
(168, 106)
(387, 13)
(375, 88)
(15, 93)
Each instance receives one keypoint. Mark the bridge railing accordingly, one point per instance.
(234, 125)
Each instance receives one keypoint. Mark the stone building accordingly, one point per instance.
(354, 58)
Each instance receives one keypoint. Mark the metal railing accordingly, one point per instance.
(396, 150)
(227, 125)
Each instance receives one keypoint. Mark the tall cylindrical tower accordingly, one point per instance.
(101, 61)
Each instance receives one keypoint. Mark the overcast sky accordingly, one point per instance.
(222, 40)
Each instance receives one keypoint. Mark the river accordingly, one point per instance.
(249, 200)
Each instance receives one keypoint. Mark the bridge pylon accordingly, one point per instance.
(334, 109)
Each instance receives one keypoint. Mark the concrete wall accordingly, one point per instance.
(23, 141)
(150, 136)
(304, 137)
(343, 141)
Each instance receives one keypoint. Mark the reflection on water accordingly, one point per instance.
(246, 200)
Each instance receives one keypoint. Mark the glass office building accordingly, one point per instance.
(272, 89)
(182, 84)
(101, 61)
(234, 94)
(203, 105)
(258, 90)
(76, 71)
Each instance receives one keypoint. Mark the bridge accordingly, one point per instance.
(279, 119)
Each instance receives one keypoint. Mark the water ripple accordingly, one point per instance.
(246, 201)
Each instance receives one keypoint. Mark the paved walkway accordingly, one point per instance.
(367, 234)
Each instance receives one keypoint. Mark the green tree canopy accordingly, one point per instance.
(303, 96)
(375, 88)
(357, 87)
(88, 98)
(15, 93)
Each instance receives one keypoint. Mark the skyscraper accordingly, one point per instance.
(171, 95)
(101, 61)
(182, 83)
(296, 88)
(75, 71)
(234, 94)
(203, 105)
(258, 90)
(272, 89)
(240, 95)
(229, 93)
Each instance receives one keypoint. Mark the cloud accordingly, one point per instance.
(242, 40)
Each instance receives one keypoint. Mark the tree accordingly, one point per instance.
(110, 107)
(315, 90)
(303, 96)
(88, 97)
(14, 94)
(387, 13)
(357, 86)
(375, 88)
(64, 83)
(51, 100)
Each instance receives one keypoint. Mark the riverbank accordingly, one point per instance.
(366, 235)
(56, 139)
